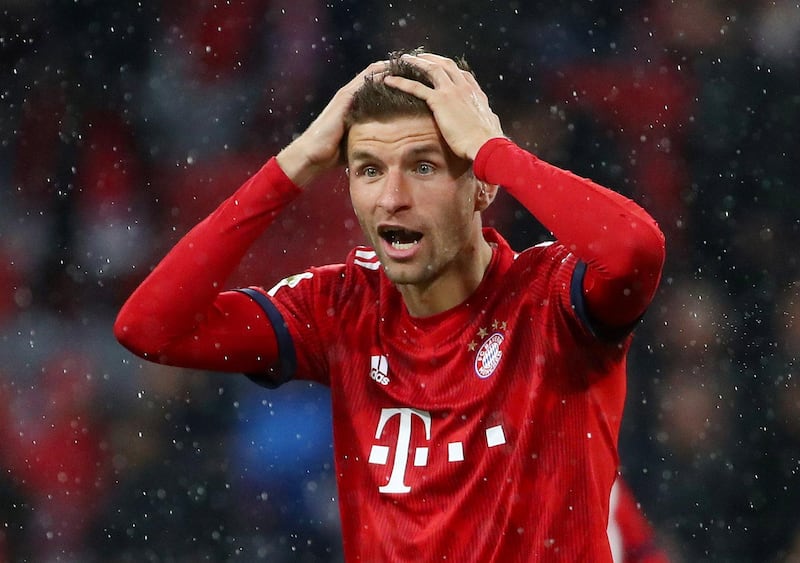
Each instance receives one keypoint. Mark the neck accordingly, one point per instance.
(452, 288)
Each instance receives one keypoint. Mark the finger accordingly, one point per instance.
(431, 63)
(452, 67)
(476, 88)
(409, 86)
(376, 67)
(437, 59)
(469, 77)
(374, 71)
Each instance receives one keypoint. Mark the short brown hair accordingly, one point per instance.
(375, 101)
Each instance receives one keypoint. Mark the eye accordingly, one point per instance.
(425, 168)
(368, 171)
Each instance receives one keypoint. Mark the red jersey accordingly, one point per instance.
(484, 433)
(632, 538)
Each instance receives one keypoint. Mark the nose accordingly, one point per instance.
(395, 192)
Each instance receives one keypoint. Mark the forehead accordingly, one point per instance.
(396, 136)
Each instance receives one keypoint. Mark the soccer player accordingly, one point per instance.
(477, 392)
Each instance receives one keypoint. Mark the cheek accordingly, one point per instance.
(361, 211)
(356, 202)
(457, 219)
(466, 208)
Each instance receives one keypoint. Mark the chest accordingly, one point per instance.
(448, 392)
(472, 359)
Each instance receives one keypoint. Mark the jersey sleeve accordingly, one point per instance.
(620, 247)
(180, 315)
(298, 307)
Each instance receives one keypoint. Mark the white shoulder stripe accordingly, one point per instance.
(366, 258)
(368, 265)
(366, 253)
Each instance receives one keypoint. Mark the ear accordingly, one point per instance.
(484, 195)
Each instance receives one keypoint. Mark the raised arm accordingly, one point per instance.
(621, 245)
(619, 242)
(180, 315)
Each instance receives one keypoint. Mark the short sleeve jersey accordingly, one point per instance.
(484, 433)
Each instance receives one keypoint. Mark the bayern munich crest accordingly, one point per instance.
(488, 356)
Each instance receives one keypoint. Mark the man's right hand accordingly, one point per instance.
(459, 105)
(317, 148)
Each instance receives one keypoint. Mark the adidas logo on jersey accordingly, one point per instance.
(379, 369)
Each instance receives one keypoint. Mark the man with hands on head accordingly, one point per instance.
(477, 391)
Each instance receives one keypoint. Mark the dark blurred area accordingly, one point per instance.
(123, 123)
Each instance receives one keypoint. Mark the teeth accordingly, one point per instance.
(403, 245)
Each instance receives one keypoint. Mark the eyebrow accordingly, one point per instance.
(428, 148)
(362, 155)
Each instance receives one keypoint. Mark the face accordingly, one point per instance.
(415, 200)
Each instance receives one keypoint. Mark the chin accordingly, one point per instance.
(401, 275)
(397, 276)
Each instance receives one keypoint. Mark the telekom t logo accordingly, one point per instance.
(380, 454)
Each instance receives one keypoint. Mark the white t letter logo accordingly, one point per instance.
(380, 454)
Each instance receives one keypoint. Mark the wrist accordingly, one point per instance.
(481, 161)
(297, 165)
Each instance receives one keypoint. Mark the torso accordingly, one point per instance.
(485, 433)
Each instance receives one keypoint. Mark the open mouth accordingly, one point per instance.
(401, 239)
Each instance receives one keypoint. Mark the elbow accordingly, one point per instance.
(645, 262)
(123, 332)
(652, 254)
(642, 247)
(131, 333)
(636, 261)
(619, 290)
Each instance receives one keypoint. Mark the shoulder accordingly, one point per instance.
(360, 268)
(546, 275)
(545, 250)
(533, 267)
(548, 249)
(548, 257)
(363, 259)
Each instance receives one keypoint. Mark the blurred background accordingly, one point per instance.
(123, 123)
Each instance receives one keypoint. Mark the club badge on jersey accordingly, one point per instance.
(490, 352)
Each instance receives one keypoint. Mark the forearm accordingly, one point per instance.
(179, 302)
(620, 243)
